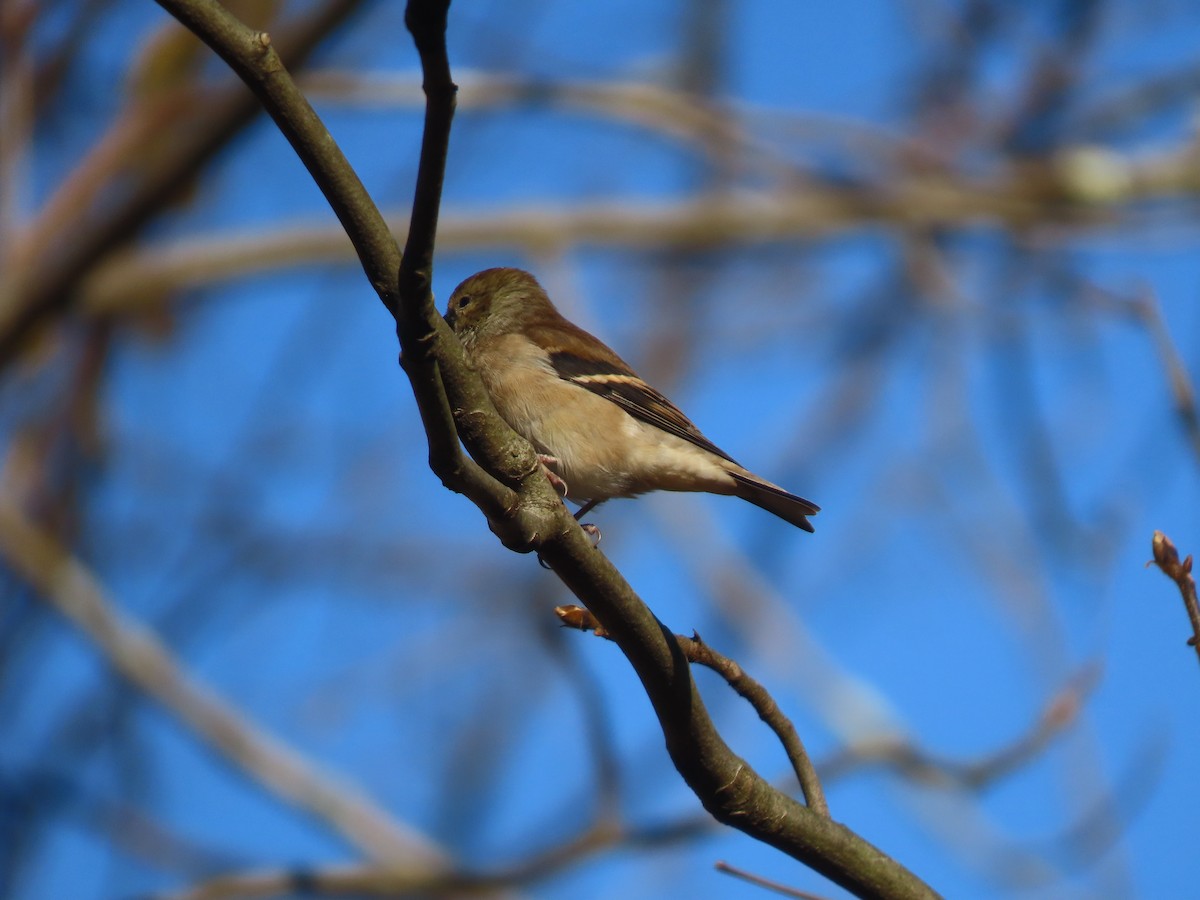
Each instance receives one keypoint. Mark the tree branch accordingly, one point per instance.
(768, 710)
(725, 784)
(754, 693)
(527, 515)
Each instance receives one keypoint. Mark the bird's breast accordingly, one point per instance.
(602, 450)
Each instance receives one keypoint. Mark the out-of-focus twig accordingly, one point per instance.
(66, 240)
(372, 881)
(768, 710)
(1166, 557)
(68, 586)
(1146, 307)
(358, 881)
(761, 882)
(919, 765)
(683, 115)
(741, 218)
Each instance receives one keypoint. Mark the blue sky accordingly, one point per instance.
(991, 458)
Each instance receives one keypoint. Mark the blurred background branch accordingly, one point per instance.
(138, 656)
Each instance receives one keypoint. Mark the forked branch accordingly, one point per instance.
(503, 477)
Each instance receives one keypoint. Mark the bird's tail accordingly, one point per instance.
(775, 499)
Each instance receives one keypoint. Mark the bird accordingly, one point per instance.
(600, 430)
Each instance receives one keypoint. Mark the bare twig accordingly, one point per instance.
(68, 586)
(1183, 392)
(761, 882)
(764, 704)
(906, 758)
(1143, 306)
(768, 710)
(1166, 557)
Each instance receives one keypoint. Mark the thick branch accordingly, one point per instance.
(729, 789)
(527, 515)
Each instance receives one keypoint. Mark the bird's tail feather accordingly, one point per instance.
(775, 499)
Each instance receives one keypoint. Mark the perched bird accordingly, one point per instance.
(599, 429)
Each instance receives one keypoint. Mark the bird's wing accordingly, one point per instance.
(603, 372)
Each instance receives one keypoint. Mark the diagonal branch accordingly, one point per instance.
(725, 784)
(1183, 392)
(521, 506)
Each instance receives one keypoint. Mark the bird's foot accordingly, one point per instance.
(588, 528)
(555, 480)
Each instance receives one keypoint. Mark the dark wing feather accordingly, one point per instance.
(613, 380)
(775, 499)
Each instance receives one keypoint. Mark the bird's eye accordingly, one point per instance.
(463, 301)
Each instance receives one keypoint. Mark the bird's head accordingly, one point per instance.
(495, 302)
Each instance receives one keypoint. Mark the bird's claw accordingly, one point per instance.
(556, 481)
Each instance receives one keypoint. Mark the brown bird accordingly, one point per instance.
(601, 431)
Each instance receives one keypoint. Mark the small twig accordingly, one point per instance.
(1166, 557)
(765, 883)
(768, 710)
(1146, 307)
